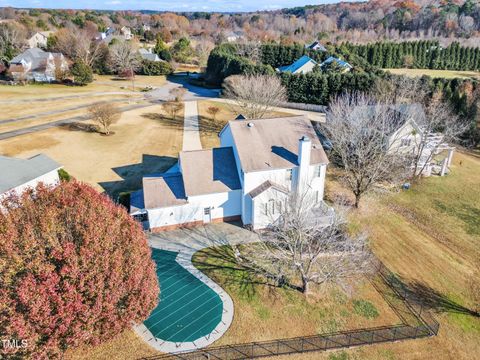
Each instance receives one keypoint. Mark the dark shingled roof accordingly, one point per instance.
(15, 172)
(273, 143)
(209, 171)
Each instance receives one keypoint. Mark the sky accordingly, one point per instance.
(167, 5)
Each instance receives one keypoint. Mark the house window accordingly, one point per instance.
(270, 207)
(206, 211)
(318, 171)
(288, 175)
(405, 142)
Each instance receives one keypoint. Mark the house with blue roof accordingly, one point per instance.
(343, 64)
(303, 65)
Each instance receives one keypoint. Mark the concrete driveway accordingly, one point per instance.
(193, 92)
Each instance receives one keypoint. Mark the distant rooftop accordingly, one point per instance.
(297, 64)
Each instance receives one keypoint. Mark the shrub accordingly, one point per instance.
(75, 268)
(365, 309)
(82, 73)
(153, 68)
(64, 175)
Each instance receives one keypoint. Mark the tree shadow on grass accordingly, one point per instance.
(223, 266)
(434, 300)
(176, 123)
(133, 174)
(425, 296)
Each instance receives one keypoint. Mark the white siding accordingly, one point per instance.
(222, 205)
(50, 178)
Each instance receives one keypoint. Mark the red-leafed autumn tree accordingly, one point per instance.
(74, 269)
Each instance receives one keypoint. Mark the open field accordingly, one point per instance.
(114, 163)
(447, 74)
(210, 128)
(102, 83)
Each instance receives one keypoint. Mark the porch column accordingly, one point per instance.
(450, 156)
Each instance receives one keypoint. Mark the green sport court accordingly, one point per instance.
(188, 309)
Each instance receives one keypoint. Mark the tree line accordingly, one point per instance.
(319, 87)
(426, 54)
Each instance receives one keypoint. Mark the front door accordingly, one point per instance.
(207, 215)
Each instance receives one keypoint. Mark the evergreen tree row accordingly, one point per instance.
(428, 54)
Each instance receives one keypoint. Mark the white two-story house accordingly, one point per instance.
(259, 164)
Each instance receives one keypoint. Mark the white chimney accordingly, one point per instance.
(304, 152)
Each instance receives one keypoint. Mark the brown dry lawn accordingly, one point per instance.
(141, 144)
(102, 83)
(210, 128)
(447, 74)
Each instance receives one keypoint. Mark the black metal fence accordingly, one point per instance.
(424, 325)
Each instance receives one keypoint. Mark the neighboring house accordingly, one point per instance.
(343, 64)
(316, 46)
(233, 36)
(38, 65)
(103, 35)
(303, 65)
(19, 174)
(248, 178)
(147, 54)
(127, 33)
(39, 39)
(146, 27)
(411, 138)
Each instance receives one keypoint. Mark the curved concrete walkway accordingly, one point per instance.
(187, 242)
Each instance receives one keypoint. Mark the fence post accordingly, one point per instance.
(303, 341)
(395, 334)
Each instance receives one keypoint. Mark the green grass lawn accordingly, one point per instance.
(447, 74)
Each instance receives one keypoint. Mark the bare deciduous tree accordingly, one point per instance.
(213, 111)
(172, 108)
(361, 129)
(178, 93)
(104, 114)
(78, 45)
(309, 245)
(254, 95)
(12, 37)
(125, 59)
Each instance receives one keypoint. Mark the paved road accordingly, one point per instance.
(191, 127)
(193, 92)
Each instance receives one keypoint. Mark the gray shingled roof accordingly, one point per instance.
(15, 172)
(36, 56)
(209, 171)
(273, 143)
(163, 190)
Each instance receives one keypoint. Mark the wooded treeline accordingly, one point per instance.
(319, 87)
(418, 54)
